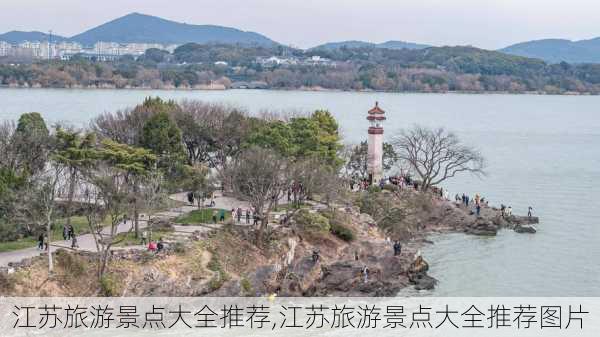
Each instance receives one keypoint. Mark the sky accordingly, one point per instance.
(490, 24)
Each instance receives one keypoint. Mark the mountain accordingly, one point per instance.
(362, 44)
(141, 28)
(16, 36)
(558, 50)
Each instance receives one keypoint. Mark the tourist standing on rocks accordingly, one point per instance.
(503, 210)
(315, 256)
(397, 248)
(529, 214)
(365, 272)
(509, 211)
(478, 208)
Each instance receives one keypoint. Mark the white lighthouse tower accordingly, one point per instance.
(375, 117)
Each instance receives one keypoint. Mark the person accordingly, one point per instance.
(509, 211)
(233, 214)
(365, 272)
(41, 241)
(239, 214)
(248, 216)
(478, 208)
(214, 217)
(190, 198)
(152, 246)
(529, 211)
(160, 245)
(356, 257)
(71, 232)
(144, 238)
(222, 215)
(315, 256)
(397, 248)
(65, 232)
(503, 210)
(74, 242)
(46, 242)
(212, 200)
(477, 198)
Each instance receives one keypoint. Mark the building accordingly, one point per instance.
(375, 116)
(4, 48)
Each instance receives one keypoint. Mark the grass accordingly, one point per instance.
(16, 245)
(79, 224)
(201, 216)
(129, 238)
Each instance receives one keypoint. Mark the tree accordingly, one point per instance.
(162, 136)
(31, 143)
(357, 163)
(113, 192)
(73, 152)
(259, 176)
(436, 155)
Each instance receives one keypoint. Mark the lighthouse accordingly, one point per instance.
(376, 116)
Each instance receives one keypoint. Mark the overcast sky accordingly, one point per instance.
(488, 24)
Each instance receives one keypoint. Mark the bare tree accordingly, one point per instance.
(259, 176)
(436, 155)
(39, 202)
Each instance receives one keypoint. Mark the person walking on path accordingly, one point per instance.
(74, 244)
(41, 241)
(248, 216)
(71, 232)
(239, 215)
(144, 238)
(65, 232)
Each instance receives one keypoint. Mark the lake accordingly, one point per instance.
(542, 151)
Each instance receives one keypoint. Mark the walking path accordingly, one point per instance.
(86, 242)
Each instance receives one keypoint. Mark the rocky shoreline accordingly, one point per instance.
(225, 262)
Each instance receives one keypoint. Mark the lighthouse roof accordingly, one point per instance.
(376, 110)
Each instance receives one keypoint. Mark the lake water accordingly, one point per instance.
(542, 151)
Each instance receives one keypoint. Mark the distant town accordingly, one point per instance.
(101, 51)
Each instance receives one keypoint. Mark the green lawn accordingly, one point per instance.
(19, 244)
(285, 207)
(200, 216)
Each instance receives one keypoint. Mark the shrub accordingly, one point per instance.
(342, 232)
(109, 285)
(374, 189)
(70, 263)
(312, 221)
(8, 232)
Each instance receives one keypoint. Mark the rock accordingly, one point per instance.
(366, 219)
(482, 227)
(423, 281)
(525, 229)
(158, 224)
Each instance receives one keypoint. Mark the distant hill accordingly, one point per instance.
(558, 50)
(15, 37)
(141, 28)
(363, 44)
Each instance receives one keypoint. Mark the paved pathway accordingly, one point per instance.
(86, 241)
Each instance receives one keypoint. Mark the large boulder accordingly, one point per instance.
(482, 227)
(525, 229)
